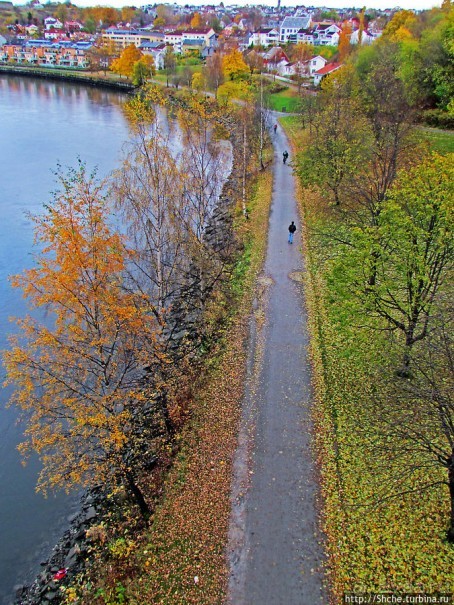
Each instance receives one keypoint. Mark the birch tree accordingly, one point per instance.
(79, 377)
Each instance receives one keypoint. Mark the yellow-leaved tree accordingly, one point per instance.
(124, 64)
(234, 66)
(79, 377)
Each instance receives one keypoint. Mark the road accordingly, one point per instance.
(275, 546)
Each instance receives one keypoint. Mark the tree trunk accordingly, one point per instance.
(138, 496)
(404, 370)
(450, 534)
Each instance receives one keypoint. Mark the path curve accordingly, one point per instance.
(275, 547)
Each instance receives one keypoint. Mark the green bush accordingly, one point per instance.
(438, 118)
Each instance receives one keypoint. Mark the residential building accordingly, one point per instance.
(268, 36)
(125, 37)
(48, 54)
(325, 71)
(157, 50)
(290, 27)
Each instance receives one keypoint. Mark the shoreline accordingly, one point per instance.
(46, 74)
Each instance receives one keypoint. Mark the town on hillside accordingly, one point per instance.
(292, 43)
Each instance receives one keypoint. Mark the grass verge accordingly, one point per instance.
(287, 100)
(394, 546)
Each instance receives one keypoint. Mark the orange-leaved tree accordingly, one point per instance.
(196, 21)
(124, 64)
(79, 377)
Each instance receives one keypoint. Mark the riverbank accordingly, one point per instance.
(72, 77)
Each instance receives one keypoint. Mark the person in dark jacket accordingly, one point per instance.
(291, 231)
(285, 156)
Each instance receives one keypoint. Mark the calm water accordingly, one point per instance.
(41, 124)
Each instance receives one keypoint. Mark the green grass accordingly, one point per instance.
(441, 141)
(287, 100)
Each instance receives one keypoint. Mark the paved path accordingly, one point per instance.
(275, 551)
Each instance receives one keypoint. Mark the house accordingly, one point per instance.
(305, 36)
(274, 57)
(31, 30)
(202, 38)
(367, 37)
(327, 35)
(301, 68)
(268, 36)
(125, 37)
(157, 50)
(192, 46)
(52, 23)
(290, 26)
(316, 63)
(325, 71)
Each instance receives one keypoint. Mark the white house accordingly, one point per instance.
(31, 29)
(325, 71)
(301, 68)
(52, 23)
(367, 37)
(327, 35)
(177, 38)
(264, 37)
(290, 27)
(316, 63)
(124, 37)
(305, 36)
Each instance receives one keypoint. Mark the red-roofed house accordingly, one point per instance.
(325, 71)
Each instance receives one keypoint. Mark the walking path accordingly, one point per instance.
(276, 554)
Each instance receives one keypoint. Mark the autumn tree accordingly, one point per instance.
(234, 66)
(103, 15)
(143, 69)
(127, 14)
(213, 71)
(390, 119)
(198, 81)
(255, 61)
(337, 151)
(124, 65)
(170, 63)
(345, 48)
(196, 21)
(101, 54)
(79, 376)
(400, 25)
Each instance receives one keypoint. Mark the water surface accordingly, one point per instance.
(42, 124)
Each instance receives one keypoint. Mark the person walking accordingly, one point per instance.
(275, 128)
(291, 231)
(285, 156)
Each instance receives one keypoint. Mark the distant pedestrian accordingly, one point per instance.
(285, 156)
(275, 128)
(291, 231)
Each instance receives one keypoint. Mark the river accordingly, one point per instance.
(42, 124)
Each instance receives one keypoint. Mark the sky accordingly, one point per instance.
(407, 4)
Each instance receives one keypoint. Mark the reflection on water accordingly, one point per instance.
(58, 90)
(41, 124)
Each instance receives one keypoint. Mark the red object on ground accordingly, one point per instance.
(61, 573)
